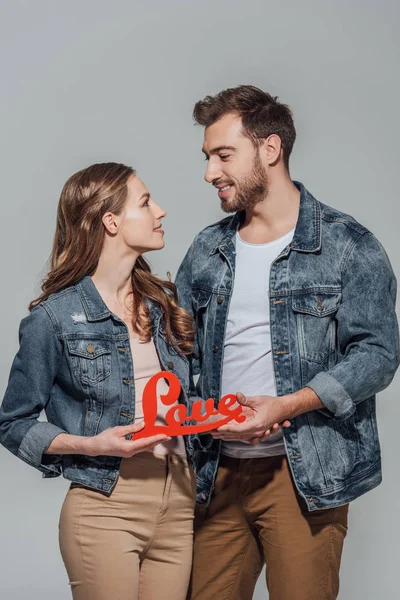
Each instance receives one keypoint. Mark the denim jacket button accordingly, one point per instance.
(215, 348)
(170, 365)
(90, 348)
(219, 299)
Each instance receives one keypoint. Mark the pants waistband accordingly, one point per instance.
(158, 459)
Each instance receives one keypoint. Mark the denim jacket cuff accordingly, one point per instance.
(35, 442)
(332, 394)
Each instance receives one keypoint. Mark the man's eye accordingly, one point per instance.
(224, 156)
(146, 203)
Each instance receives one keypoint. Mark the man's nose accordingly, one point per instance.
(212, 173)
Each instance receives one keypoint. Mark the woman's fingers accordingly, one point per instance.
(147, 443)
(123, 430)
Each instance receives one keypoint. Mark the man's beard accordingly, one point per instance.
(249, 191)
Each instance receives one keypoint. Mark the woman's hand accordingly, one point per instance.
(112, 442)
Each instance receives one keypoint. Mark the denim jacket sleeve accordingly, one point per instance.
(32, 375)
(367, 331)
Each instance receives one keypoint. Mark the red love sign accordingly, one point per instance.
(177, 414)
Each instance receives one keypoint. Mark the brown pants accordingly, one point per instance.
(137, 543)
(256, 516)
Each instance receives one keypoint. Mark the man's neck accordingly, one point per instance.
(273, 217)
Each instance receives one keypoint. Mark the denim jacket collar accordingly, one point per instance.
(307, 235)
(93, 303)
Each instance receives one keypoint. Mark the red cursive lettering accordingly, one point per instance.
(177, 415)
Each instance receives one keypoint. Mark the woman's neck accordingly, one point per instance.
(113, 274)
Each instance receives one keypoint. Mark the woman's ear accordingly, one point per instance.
(110, 222)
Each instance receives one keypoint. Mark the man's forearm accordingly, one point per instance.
(301, 402)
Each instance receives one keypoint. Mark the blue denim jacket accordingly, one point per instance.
(333, 329)
(75, 362)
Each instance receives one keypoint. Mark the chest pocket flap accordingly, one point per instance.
(318, 304)
(87, 348)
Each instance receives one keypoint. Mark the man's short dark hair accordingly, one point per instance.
(262, 115)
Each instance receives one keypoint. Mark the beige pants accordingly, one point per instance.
(136, 543)
(256, 517)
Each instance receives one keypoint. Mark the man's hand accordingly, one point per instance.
(258, 425)
(264, 414)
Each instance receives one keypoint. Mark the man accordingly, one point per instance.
(294, 305)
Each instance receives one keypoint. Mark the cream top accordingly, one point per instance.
(146, 364)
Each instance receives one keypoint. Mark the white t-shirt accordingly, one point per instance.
(247, 365)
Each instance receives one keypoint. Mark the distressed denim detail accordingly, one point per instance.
(333, 328)
(73, 360)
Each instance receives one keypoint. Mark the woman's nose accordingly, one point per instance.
(160, 212)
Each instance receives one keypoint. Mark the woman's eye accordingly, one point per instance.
(146, 203)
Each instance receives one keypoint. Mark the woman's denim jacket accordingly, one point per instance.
(333, 329)
(75, 362)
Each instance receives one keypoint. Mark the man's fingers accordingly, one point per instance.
(237, 436)
(246, 428)
(261, 438)
(239, 428)
(241, 398)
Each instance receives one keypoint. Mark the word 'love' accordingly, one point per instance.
(177, 415)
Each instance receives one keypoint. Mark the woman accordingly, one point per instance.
(101, 328)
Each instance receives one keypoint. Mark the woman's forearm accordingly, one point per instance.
(65, 443)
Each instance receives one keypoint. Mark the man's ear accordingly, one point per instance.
(272, 146)
(110, 222)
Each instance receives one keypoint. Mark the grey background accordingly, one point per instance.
(93, 80)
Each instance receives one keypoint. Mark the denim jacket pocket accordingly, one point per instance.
(90, 359)
(315, 323)
(201, 300)
(169, 348)
(330, 451)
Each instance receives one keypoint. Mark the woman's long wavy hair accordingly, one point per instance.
(78, 242)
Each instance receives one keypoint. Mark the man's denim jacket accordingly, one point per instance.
(333, 329)
(75, 362)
